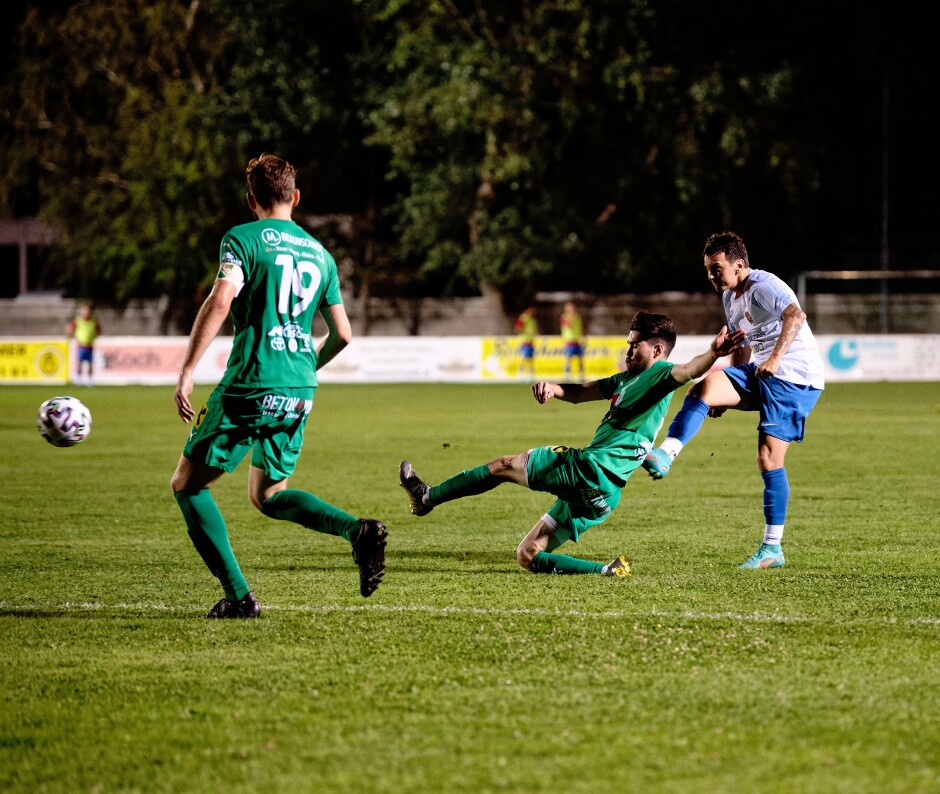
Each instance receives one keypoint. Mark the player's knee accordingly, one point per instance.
(768, 460)
(699, 389)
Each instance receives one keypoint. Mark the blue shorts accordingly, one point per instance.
(269, 423)
(573, 349)
(587, 494)
(527, 350)
(86, 354)
(783, 405)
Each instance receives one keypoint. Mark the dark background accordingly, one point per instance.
(869, 84)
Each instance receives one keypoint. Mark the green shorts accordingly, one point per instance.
(268, 422)
(586, 493)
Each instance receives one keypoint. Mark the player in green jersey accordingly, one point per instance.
(273, 278)
(586, 482)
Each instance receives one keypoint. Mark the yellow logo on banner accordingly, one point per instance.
(603, 356)
(33, 361)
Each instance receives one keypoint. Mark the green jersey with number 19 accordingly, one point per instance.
(284, 277)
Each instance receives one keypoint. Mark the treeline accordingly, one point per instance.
(460, 146)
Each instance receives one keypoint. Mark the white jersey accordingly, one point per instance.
(758, 313)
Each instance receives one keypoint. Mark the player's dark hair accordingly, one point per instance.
(727, 243)
(271, 180)
(655, 328)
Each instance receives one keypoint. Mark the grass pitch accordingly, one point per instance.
(463, 673)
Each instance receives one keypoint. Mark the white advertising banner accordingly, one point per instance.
(473, 359)
(406, 359)
(873, 357)
(859, 357)
(153, 360)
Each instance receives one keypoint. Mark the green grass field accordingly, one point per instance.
(463, 673)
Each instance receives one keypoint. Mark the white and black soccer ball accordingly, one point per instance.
(64, 421)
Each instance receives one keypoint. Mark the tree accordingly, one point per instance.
(499, 147)
(112, 105)
(570, 143)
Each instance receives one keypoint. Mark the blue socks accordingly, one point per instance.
(689, 419)
(776, 496)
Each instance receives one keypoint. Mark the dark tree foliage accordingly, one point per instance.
(449, 147)
(112, 117)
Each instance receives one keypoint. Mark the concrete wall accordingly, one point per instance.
(44, 315)
(862, 314)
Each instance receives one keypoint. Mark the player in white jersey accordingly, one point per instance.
(779, 373)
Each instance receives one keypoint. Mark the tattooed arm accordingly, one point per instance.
(793, 318)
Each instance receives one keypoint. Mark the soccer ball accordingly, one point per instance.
(64, 421)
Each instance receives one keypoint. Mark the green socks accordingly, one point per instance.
(209, 534)
(311, 512)
(543, 562)
(468, 483)
(210, 537)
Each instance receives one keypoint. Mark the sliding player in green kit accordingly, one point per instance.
(587, 482)
(274, 278)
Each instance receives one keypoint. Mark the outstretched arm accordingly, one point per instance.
(543, 391)
(211, 315)
(338, 336)
(721, 345)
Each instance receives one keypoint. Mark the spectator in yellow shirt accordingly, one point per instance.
(572, 332)
(527, 328)
(85, 329)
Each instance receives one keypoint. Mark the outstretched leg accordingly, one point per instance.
(469, 482)
(711, 395)
(367, 536)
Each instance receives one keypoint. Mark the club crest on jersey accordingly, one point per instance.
(227, 263)
(747, 314)
(271, 237)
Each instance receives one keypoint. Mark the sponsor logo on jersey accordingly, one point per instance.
(592, 499)
(279, 405)
(274, 238)
(290, 337)
(301, 242)
(271, 237)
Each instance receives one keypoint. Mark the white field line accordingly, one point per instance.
(461, 611)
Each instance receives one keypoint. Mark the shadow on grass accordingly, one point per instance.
(39, 613)
(108, 613)
(436, 561)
